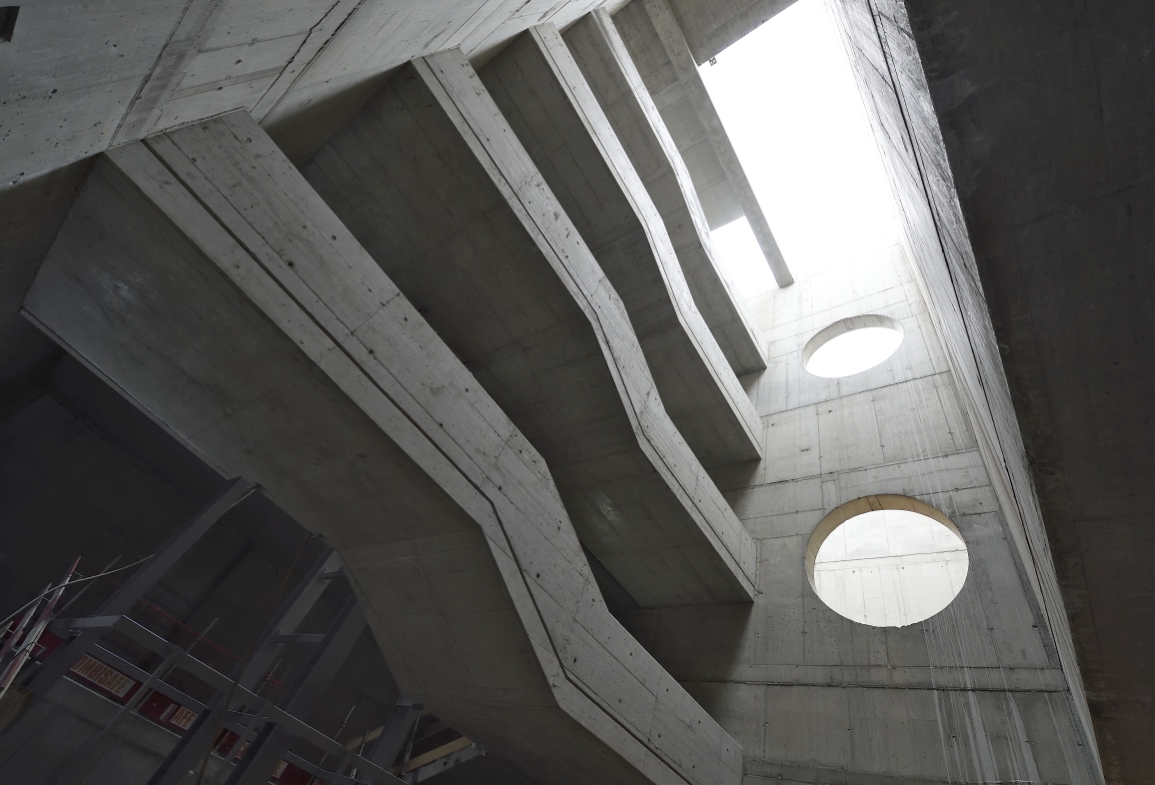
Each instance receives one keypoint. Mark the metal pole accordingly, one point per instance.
(84, 589)
(257, 766)
(140, 582)
(21, 625)
(33, 637)
(198, 738)
(395, 732)
(77, 768)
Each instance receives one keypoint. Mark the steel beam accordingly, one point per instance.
(271, 744)
(196, 742)
(140, 582)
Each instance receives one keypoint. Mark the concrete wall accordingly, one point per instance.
(1042, 116)
(887, 66)
(596, 45)
(68, 721)
(434, 183)
(975, 693)
(657, 44)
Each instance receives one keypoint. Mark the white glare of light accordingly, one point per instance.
(740, 258)
(789, 102)
(852, 346)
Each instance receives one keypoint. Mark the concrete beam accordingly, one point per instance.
(433, 182)
(711, 26)
(656, 43)
(542, 93)
(202, 276)
(605, 63)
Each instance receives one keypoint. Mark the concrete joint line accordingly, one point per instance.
(164, 152)
(1030, 542)
(584, 103)
(432, 69)
(747, 354)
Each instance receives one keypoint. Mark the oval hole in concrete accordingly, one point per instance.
(852, 345)
(886, 561)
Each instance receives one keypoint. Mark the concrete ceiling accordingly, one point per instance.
(1048, 114)
(80, 77)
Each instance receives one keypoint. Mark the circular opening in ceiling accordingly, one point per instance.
(851, 345)
(886, 561)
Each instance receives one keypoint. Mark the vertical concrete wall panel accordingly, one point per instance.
(811, 695)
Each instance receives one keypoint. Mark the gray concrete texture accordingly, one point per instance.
(208, 282)
(973, 694)
(711, 27)
(433, 182)
(82, 77)
(597, 48)
(886, 61)
(659, 49)
(1043, 118)
(265, 353)
(548, 104)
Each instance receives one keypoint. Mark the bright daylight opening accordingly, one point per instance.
(853, 345)
(890, 568)
(792, 110)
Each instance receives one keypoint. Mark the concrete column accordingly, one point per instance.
(542, 93)
(656, 43)
(605, 63)
(200, 275)
(433, 182)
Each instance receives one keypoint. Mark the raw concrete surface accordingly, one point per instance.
(1045, 119)
(659, 49)
(1037, 269)
(549, 105)
(712, 26)
(82, 76)
(284, 355)
(975, 693)
(1048, 117)
(599, 51)
(433, 181)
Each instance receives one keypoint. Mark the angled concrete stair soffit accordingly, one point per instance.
(435, 185)
(656, 44)
(542, 93)
(200, 275)
(597, 47)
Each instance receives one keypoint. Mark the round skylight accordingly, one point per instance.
(887, 561)
(851, 345)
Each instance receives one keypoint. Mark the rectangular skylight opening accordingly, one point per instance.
(792, 109)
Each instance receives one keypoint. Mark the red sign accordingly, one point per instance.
(163, 710)
(108, 680)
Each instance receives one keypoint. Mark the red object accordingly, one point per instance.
(163, 710)
(288, 774)
(49, 642)
(104, 679)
